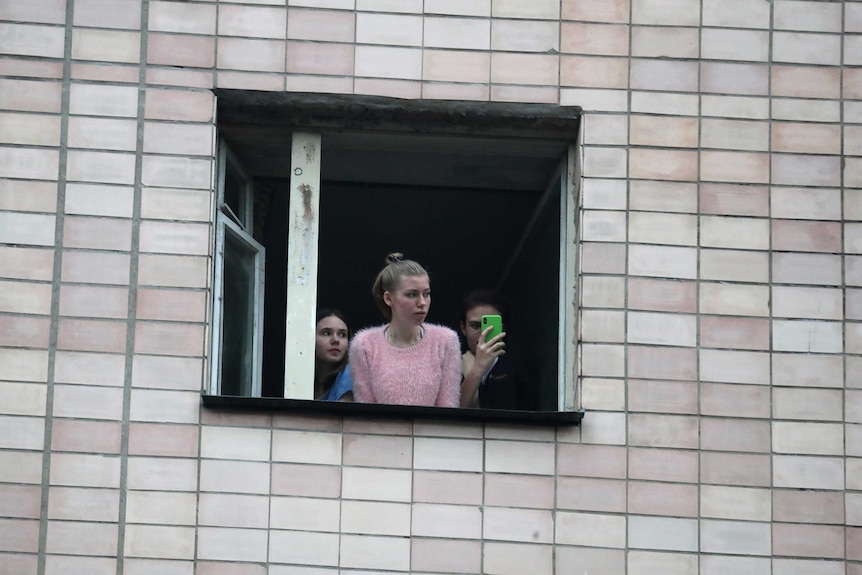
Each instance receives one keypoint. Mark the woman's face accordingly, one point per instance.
(471, 327)
(331, 340)
(410, 301)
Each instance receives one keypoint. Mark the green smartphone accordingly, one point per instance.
(497, 325)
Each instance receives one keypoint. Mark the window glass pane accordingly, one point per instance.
(237, 345)
(233, 191)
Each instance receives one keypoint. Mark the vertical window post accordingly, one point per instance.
(304, 222)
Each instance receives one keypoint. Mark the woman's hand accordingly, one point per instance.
(488, 351)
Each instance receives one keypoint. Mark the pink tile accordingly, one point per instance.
(377, 451)
(788, 235)
(106, 45)
(597, 39)
(83, 504)
(20, 501)
(306, 480)
(405, 89)
(21, 535)
(796, 169)
(737, 167)
(318, 58)
(663, 164)
(166, 339)
(725, 434)
(186, 51)
(662, 396)
(13, 563)
(31, 40)
(735, 400)
(82, 401)
(26, 263)
(591, 494)
(664, 131)
(519, 491)
(455, 66)
(252, 22)
(445, 556)
(41, 11)
(91, 335)
(98, 72)
(800, 506)
(89, 368)
(820, 541)
(178, 105)
(742, 79)
(156, 439)
(30, 96)
(447, 487)
(173, 271)
(805, 82)
(596, 10)
(86, 436)
(469, 92)
(172, 305)
(670, 431)
(321, 25)
(530, 69)
(97, 233)
(659, 363)
(607, 461)
(23, 331)
(734, 199)
(733, 332)
(181, 77)
(662, 499)
(174, 238)
(662, 295)
(108, 14)
(179, 139)
(101, 167)
(593, 72)
(852, 83)
(94, 302)
(735, 469)
(182, 17)
(30, 164)
(29, 68)
(663, 465)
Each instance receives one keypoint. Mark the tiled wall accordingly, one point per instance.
(721, 274)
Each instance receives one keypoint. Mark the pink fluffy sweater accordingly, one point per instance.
(428, 373)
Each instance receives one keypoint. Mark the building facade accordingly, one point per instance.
(718, 288)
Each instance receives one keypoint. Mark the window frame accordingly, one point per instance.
(299, 368)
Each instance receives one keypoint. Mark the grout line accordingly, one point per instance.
(55, 290)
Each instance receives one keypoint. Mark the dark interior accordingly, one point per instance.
(469, 209)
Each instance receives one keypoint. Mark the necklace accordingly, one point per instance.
(403, 345)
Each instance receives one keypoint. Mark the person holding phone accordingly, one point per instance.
(492, 379)
(331, 373)
(406, 361)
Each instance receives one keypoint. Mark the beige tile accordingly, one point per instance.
(727, 299)
(199, 51)
(222, 544)
(666, 75)
(376, 484)
(163, 440)
(159, 542)
(161, 508)
(519, 457)
(304, 548)
(608, 461)
(386, 62)
(807, 438)
(664, 42)
(744, 45)
(65, 538)
(443, 487)
(451, 521)
(820, 49)
(735, 135)
(669, 431)
(730, 265)
(540, 9)
(735, 400)
(807, 336)
(664, 131)
(808, 472)
(374, 518)
(447, 454)
(795, 109)
(88, 402)
(742, 107)
(734, 366)
(662, 533)
(306, 480)
(807, 302)
(661, 329)
(741, 469)
(807, 371)
(806, 138)
(740, 537)
(361, 552)
(523, 525)
(76, 470)
(665, 103)
(811, 404)
(741, 503)
(252, 22)
(163, 474)
(661, 363)
(524, 35)
(715, 564)
(305, 514)
(599, 495)
(455, 66)
(806, 15)
(234, 476)
(732, 78)
(225, 510)
(644, 562)
(31, 40)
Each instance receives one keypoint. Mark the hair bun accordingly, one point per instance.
(394, 257)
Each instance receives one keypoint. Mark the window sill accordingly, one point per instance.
(302, 406)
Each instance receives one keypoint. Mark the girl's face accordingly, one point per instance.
(410, 301)
(471, 327)
(331, 340)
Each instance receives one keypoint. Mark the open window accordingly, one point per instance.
(485, 197)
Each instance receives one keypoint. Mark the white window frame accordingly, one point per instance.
(228, 222)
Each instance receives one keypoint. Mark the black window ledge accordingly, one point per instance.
(304, 406)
